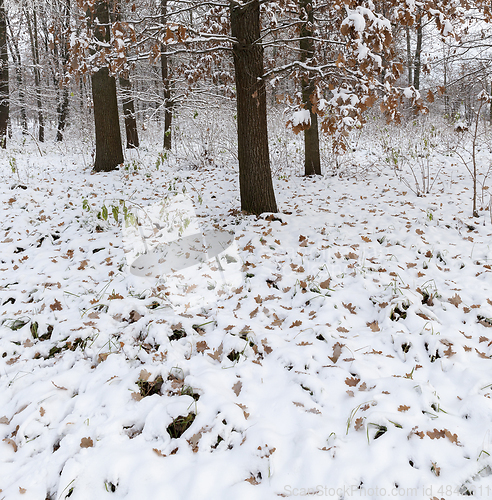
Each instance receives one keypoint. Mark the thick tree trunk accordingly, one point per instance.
(168, 110)
(109, 151)
(312, 161)
(129, 113)
(4, 77)
(255, 179)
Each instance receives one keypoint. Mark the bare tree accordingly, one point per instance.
(32, 26)
(4, 77)
(312, 161)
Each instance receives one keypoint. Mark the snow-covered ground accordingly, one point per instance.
(345, 354)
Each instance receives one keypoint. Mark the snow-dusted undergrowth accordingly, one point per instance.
(352, 359)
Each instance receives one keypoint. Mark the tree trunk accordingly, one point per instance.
(312, 162)
(32, 27)
(168, 109)
(490, 106)
(127, 98)
(129, 113)
(62, 112)
(16, 57)
(4, 77)
(109, 151)
(255, 180)
(418, 54)
(409, 56)
(62, 62)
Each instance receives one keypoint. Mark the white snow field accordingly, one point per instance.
(345, 354)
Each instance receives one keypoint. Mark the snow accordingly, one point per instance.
(357, 20)
(301, 116)
(411, 93)
(350, 357)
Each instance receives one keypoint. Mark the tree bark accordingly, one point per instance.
(16, 57)
(490, 106)
(129, 113)
(418, 55)
(312, 161)
(127, 99)
(409, 55)
(109, 151)
(255, 179)
(62, 57)
(168, 109)
(32, 26)
(4, 77)
(62, 112)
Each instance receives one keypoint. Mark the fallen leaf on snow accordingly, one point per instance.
(194, 440)
(56, 306)
(266, 347)
(482, 354)
(237, 387)
(337, 351)
(252, 480)
(217, 352)
(350, 307)
(134, 316)
(352, 381)
(103, 357)
(11, 442)
(86, 443)
(201, 346)
(438, 434)
(59, 387)
(244, 408)
(252, 314)
(455, 300)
